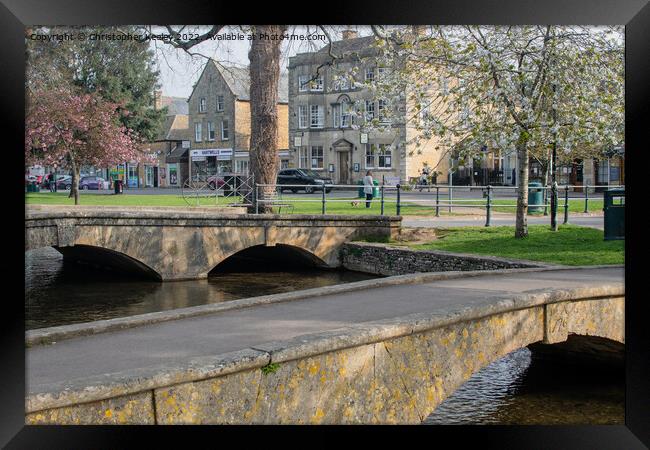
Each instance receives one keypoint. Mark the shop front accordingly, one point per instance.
(208, 162)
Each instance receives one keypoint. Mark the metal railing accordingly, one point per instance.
(393, 195)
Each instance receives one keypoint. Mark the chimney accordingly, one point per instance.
(349, 34)
(157, 99)
(419, 30)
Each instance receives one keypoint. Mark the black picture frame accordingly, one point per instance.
(635, 14)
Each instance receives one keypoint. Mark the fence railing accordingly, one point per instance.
(391, 198)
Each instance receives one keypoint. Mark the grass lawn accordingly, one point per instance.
(570, 245)
(61, 198)
(301, 206)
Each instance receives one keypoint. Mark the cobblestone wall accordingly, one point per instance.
(384, 259)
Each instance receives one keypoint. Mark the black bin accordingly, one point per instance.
(614, 208)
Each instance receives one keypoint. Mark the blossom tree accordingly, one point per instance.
(74, 129)
(505, 87)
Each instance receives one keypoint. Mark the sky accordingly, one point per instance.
(179, 71)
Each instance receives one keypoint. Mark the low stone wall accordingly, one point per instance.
(382, 259)
(388, 371)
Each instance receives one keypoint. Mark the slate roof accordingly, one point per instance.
(238, 80)
(175, 105)
(175, 128)
(354, 45)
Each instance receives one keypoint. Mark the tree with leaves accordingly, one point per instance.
(521, 87)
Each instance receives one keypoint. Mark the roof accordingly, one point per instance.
(175, 128)
(339, 48)
(175, 105)
(345, 49)
(238, 80)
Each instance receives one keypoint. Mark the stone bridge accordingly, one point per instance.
(176, 245)
(376, 351)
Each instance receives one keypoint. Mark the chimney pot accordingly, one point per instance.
(349, 34)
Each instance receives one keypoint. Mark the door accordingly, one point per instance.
(344, 168)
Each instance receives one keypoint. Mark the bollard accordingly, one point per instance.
(382, 199)
(323, 199)
(586, 199)
(566, 204)
(489, 199)
(554, 206)
(437, 201)
(398, 200)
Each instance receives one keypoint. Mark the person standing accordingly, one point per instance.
(368, 186)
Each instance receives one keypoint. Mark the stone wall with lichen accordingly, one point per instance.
(382, 259)
(391, 371)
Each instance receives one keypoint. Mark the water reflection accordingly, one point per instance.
(521, 389)
(56, 294)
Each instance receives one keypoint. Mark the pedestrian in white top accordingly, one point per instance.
(368, 186)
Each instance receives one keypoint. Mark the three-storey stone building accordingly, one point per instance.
(220, 121)
(330, 107)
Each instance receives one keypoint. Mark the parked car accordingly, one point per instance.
(312, 179)
(216, 181)
(64, 182)
(95, 183)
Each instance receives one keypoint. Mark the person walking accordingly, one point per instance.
(368, 186)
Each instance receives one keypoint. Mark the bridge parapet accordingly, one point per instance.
(387, 371)
(181, 244)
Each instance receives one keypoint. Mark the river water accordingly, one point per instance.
(517, 389)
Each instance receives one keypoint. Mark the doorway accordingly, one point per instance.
(344, 167)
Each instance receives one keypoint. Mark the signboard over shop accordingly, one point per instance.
(221, 154)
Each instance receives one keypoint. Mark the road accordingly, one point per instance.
(175, 342)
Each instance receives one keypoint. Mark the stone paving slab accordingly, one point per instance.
(173, 343)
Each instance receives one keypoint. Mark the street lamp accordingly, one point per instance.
(55, 166)
(553, 166)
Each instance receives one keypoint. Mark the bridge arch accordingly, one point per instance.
(261, 257)
(103, 257)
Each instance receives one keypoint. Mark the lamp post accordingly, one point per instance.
(55, 166)
(553, 167)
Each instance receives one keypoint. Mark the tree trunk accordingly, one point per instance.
(264, 56)
(521, 224)
(74, 189)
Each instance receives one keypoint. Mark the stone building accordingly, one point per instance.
(219, 121)
(329, 106)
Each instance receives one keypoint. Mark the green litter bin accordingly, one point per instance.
(361, 193)
(535, 197)
(614, 208)
(375, 190)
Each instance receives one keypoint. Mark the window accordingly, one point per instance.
(220, 103)
(197, 132)
(370, 110)
(317, 157)
(303, 158)
(303, 116)
(241, 167)
(210, 131)
(224, 130)
(384, 157)
(347, 118)
(381, 110)
(370, 74)
(336, 115)
(381, 71)
(317, 84)
(378, 156)
(202, 104)
(370, 156)
(316, 118)
(303, 85)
